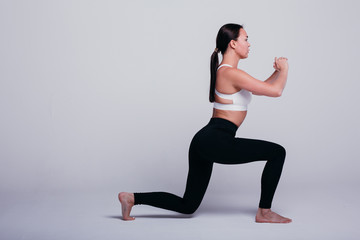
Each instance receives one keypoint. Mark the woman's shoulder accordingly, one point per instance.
(230, 74)
(225, 81)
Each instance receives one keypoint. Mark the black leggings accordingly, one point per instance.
(216, 143)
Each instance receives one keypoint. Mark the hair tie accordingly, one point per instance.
(216, 50)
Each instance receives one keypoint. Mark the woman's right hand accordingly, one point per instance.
(281, 64)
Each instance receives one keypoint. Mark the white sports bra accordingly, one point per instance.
(240, 99)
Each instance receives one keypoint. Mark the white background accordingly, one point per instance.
(105, 96)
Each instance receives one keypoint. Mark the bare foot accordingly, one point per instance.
(268, 216)
(127, 202)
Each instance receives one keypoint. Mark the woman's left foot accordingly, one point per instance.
(268, 216)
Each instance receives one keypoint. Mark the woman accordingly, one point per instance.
(230, 90)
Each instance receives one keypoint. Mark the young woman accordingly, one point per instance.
(231, 90)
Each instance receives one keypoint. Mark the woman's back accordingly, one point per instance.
(226, 95)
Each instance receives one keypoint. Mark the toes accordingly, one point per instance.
(287, 220)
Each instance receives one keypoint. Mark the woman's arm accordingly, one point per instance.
(273, 77)
(271, 87)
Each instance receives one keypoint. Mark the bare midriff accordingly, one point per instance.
(236, 117)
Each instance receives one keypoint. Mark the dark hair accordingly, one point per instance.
(228, 32)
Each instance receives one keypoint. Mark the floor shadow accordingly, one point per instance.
(155, 216)
(226, 209)
(223, 210)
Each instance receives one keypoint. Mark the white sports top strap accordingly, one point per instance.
(225, 96)
(224, 65)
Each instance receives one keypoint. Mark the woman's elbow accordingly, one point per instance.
(278, 93)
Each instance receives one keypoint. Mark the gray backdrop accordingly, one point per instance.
(101, 95)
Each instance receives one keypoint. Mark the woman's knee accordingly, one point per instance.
(187, 210)
(190, 210)
(190, 207)
(279, 152)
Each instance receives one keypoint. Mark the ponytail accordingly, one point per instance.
(214, 63)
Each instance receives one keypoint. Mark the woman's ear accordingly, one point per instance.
(232, 44)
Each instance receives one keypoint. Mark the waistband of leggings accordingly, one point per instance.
(223, 123)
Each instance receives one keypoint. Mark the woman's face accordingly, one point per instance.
(241, 45)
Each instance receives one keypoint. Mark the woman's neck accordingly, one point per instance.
(230, 58)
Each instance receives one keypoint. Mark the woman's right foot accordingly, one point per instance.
(268, 216)
(127, 202)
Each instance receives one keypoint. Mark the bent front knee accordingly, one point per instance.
(281, 151)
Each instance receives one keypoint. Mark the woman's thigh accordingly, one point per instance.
(244, 150)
